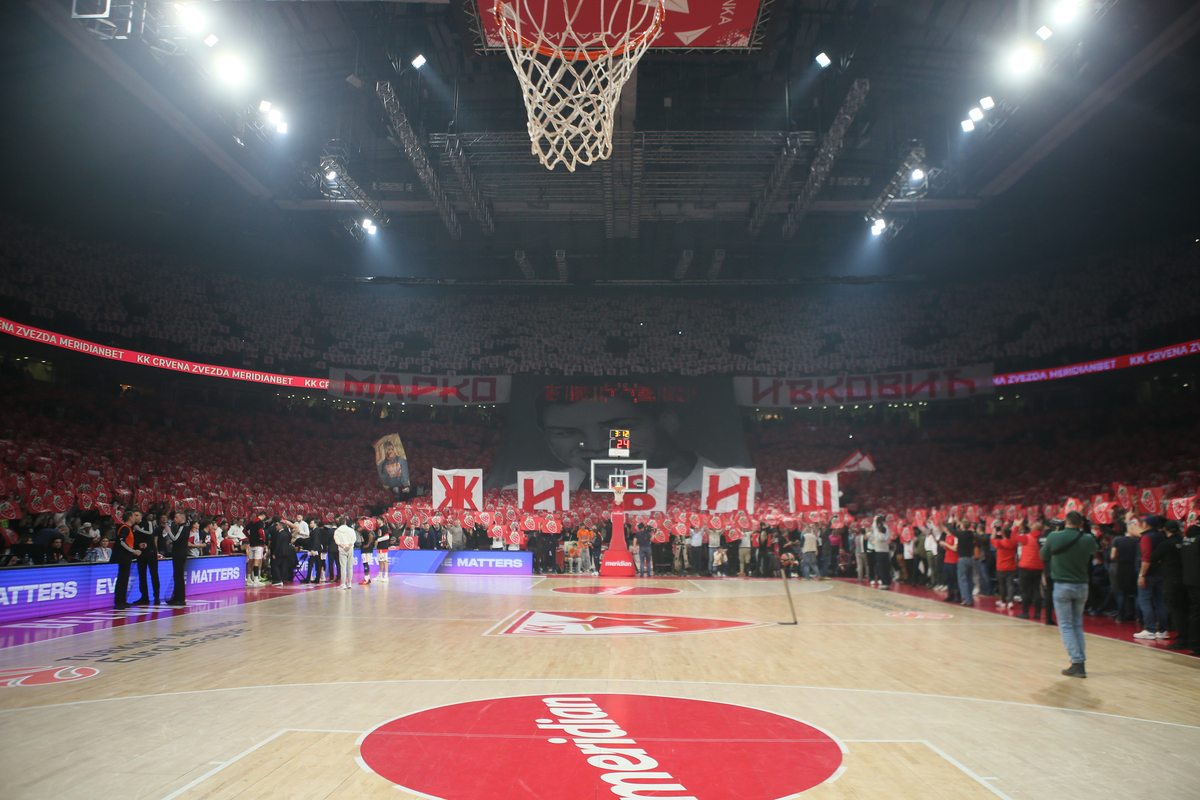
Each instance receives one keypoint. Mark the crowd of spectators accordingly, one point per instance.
(159, 304)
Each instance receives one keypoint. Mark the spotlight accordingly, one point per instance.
(987, 103)
(968, 126)
(191, 17)
(975, 114)
(331, 175)
(1065, 11)
(230, 69)
(264, 106)
(823, 60)
(211, 40)
(371, 230)
(282, 127)
(1022, 60)
(368, 223)
(1044, 33)
(419, 61)
(275, 117)
(918, 174)
(878, 227)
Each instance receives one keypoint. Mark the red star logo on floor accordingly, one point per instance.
(588, 623)
(614, 591)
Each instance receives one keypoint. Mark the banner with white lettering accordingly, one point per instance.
(435, 390)
(655, 496)
(729, 489)
(919, 385)
(543, 491)
(460, 489)
(812, 491)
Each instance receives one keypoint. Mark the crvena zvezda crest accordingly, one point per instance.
(599, 623)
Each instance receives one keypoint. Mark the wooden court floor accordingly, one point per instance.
(285, 697)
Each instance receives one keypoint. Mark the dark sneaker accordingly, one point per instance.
(1075, 671)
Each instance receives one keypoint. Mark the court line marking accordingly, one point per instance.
(243, 754)
(603, 680)
(744, 625)
(966, 770)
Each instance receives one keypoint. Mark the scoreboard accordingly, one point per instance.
(618, 444)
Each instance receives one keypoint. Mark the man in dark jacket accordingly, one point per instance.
(1169, 556)
(1189, 557)
(147, 561)
(177, 534)
(125, 550)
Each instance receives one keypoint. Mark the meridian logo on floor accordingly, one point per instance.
(595, 746)
(589, 623)
(42, 676)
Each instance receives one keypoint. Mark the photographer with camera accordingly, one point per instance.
(1069, 553)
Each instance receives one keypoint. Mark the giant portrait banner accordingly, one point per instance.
(901, 386)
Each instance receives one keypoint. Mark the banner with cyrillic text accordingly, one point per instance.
(905, 386)
(729, 489)
(812, 491)
(654, 498)
(459, 489)
(406, 387)
(541, 490)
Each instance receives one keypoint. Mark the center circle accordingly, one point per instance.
(584, 746)
(614, 591)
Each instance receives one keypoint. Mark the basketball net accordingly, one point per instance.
(618, 495)
(572, 74)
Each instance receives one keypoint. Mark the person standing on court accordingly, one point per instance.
(881, 542)
(1069, 555)
(147, 560)
(124, 553)
(645, 554)
(343, 539)
(178, 536)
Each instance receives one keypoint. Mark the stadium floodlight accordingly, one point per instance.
(878, 227)
(367, 223)
(191, 17)
(211, 40)
(1066, 10)
(918, 174)
(419, 61)
(230, 69)
(1044, 33)
(824, 60)
(987, 103)
(281, 127)
(975, 114)
(331, 175)
(275, 117)
(968, 126)
(1022, 60)
(264, 106)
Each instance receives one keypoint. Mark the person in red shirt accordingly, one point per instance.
(949, 544)
(1029, 571)
(1006, 564)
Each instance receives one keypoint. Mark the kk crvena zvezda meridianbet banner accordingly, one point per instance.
(459, 489)
(729, 489)
(542, 490)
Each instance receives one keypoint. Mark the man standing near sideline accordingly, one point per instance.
(147, 560)
(1069, 555)
(124, 553)
(177, 534)
(343, 539)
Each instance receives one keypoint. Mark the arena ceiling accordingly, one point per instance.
(1089, 150)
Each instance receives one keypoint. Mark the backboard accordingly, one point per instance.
(690, 26)
(602, 468)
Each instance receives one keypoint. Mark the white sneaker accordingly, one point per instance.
(1162, 635)
(1145, 635)
(975, 592)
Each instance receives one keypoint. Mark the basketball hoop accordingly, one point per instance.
(618, 495)
(572, 63)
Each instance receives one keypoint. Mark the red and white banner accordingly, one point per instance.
(458, 489)
(729, 489)
(543, 491)
(858, 461)
(438, 390)
(835, 390)
(653, 499)
(812, 491)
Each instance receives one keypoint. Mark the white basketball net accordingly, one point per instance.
(571, 79)
(618, 495)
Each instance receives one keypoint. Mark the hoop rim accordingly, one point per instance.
(651, 33)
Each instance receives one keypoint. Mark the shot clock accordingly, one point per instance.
(618, 444)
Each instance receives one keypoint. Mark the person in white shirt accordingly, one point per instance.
(931, 561)
(236, 534)
(344, 538)
(745, 553)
